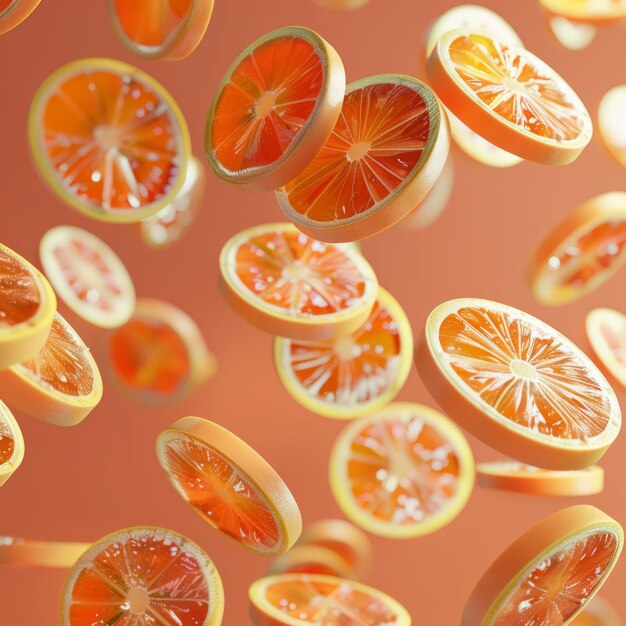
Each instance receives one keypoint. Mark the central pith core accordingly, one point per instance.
(265, 104)
(107, 137)
(523, 369)
(137, 600)
(358, 151)
(347, 349)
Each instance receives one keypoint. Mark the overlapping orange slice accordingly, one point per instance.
(14, 12)
(11, 444)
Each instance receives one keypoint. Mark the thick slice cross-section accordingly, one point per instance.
(11, 444)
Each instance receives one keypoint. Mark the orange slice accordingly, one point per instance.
(292, 286)
(304, 559)
(229, 485)
(11, 445)
(403, 472)
(549, 573)
(606, 331)
(588, 11)
(27, 306)
(582, 252)
(88, 276)
(342, 4)
(35, 553)
(611, 115)
(109, 140)
(274, 109)
(515, 476)
(385, 154)
(509, 97)
(355, 374)
(143, 575)
(160, 354)
(517, 384)
(14, 12)
(597, 613)
(61, 385)
(167, 29)
(572, 35)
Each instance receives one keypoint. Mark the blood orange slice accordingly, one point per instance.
(11, 444)
(143, 576)
(229, 485)
(387, 150)
(587, 11)
(597, 613)
(274, 109)
(405, 471)
(611, 116)
(549, 573)
(14, 12)
(35, 553)
(606, 331)
(109, 140)
(304, 559)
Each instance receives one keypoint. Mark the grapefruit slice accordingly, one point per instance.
(35, 553)
(307, 599)
(386, 152)
(550, 573)
(572, 35)
(305, 559)
(88, 276)
(582, 252)
(611, 116)
(597, 613)
(606, 331)
(167, 29)
(290, 285)
(517, 384)
(229, 485)
(587, 11)
(142, 576)
(61, 385)
(355, 374)
(11, 444)
(274, 109)
(403, 472)
(109, 140)
(509, 97)
(14, 12)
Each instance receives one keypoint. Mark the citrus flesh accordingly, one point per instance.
(606, 331)
(611, 116)
(587, 11)
(11, 444)
(14, 12)
(35, 553)
(597, 613)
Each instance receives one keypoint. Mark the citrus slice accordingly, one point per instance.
(403, 472)
(160, 354)
(582, 252)
(61, 385)
(597, 613)
(588, 11)
(35, 553)
(143, 576)
(166, 29)
(303, 559)
(11, 444)
(14, 12)
(515, 476)
(109, 140)
(572, 35)
(274, 109)
(355, 374)
(509, 97)
(88, 276)
(606, 331)
(549, 573)
(305, 599)
(27, 306)
(229, 485)
(517, 384)
(611, 116)
(290, 285)
(342, 4)
(385, 154)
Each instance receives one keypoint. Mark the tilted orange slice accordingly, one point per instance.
(549, 574)
(606, 332)
(386, 152)
(517, 384)
(14, 12)
(36, 553)
(587, 11)
(611, 115)
(229, 485)
(309, 559)
(597, 613)
(274, 109)
(11, 444)
(109, 140)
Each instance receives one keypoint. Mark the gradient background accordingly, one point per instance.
(82, 483)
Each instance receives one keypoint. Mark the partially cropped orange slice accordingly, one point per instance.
(517, 384)
(549, 574)
(611, 116)
(606, 331)
(587, 11)
(11, 444)
(570, 34)
(342, 4)
(509, 96)
(305, 559)
(109, 140)
(274, 109)
(143, 576)
(229, 485)
(14, 12)
(36, 553)
(387, 150)
(598, 612)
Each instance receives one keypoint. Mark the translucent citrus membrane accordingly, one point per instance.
(220, 493)
(572, 35)
(20, 296)
(612, 122)
(528, 375)
(379, 138)
(7, 442)
(269, 97)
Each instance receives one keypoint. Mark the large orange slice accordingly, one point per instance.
(606, 331)
(36, 553)
(229, 485)
(14, 12)
(11, 444)
(386, 152)
(611, 115)
(143, 576)
(550, 573)
(290, 285)
(309, 559)
(274, 109)
(109, 140)
(405, 471)
(517, 384)
(597, 613)
(587, 11)
(509, 96)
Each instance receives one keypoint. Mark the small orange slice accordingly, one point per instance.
(35, 553)
(582, 252)
(290, 285)
(305, 559)
(11, 445)
(572, 35)
(386, 152)
(597, 613)
(509, 97)
(143, 576)
(165, 29)
(229, 485)
(611, 115)
(109, 140)
(549, 574)
(14, 12)
(606, 331)
(587, 11)
(274, 109)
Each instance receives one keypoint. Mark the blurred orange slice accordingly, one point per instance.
(342, 4)
(11, 445)
(14, 12)
(597, 613)
(310, 559)
(611, 116)
(588, 11)
(35, 553)
(572, 35)
(606, 331)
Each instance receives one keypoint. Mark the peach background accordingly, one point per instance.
(82, 483)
